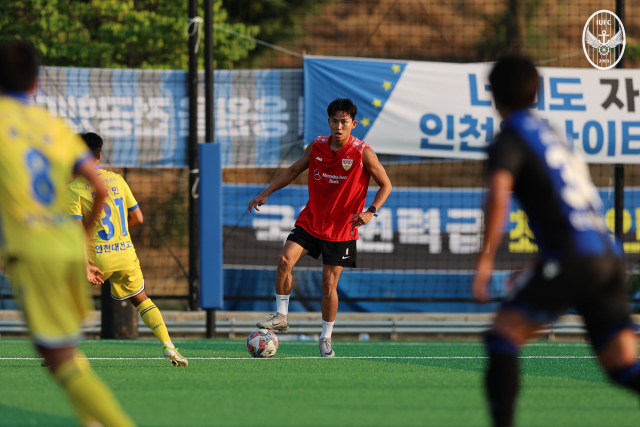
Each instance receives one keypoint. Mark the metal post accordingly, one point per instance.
(619, 168)
(618, 199)
(209, 114)
(193, 158)
(620, 13)
(208, 70)
(119, 319)
(513, 28)
(211, 323)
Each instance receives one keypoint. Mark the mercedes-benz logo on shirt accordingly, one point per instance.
(317, 175)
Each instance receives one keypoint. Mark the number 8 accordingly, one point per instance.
(40, 169)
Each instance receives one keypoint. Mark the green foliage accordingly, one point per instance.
(280, 21)
(494, 43)
(632, 51)
(118, 33)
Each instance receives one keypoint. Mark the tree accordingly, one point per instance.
(118, 33)
(280, 21)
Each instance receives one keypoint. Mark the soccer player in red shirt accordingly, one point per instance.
(340, 167)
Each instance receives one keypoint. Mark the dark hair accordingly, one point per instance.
(514, 82)
(18, 65)
(93, 141)
(343, 104)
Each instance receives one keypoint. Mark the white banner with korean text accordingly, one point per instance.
(446, 110)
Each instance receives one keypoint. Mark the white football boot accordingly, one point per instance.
(278, 322)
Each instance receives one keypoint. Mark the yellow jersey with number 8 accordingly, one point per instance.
(38, 155)
(111, 248)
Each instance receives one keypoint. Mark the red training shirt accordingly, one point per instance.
(338, 184)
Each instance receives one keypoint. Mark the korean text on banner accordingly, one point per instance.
(446, 110)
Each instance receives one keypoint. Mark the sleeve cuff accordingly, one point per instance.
(76, 216)
(132, 208)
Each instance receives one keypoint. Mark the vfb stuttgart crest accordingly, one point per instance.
(347, 163)
(603, 40)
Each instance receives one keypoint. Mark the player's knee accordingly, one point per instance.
(617, 348)
(285, 262)
(329, 288)
(497, 343)
(513, 326)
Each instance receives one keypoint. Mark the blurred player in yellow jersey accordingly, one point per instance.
(109, 247)
(41, 246)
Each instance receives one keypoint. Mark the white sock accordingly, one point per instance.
(282, 303)
(327, 328)
(169, 343)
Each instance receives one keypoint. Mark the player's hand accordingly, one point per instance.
(259, 200)
(483, 274)
(360, 219)
(93, 275)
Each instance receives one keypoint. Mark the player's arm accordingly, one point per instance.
(87, 170)
(135, 217)
(134, 213)
(286, 178)
(500, 188)
(93, 272)
(379, 175)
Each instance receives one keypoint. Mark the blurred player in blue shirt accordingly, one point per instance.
(578, 264)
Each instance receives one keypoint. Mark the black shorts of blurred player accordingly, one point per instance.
(342, 254)
(594, 286)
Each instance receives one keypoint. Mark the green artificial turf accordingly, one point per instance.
(417, 384)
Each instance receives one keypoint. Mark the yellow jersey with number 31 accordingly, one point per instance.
(111, 248)
(38, 155)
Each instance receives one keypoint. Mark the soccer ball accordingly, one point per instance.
(262, 343)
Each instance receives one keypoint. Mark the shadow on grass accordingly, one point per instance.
(17, 417)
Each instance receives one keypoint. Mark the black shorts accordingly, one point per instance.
(595, 286)
(333, 253)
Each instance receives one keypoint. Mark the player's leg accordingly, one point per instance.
(294, 249)
(89, 286)
(129, 285)
(619, 358)
(608, 320)
(335, 256)
(502, 378)
(330, 276)
(152, 318)
(91, 398)
(288, 258)
(55, 299)
(540, 296)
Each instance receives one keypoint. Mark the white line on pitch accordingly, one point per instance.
(317, 357)
(214, 343)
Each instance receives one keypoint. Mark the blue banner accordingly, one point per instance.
(143, 115)
(421, 248)
(446, 110)
(413, 216)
